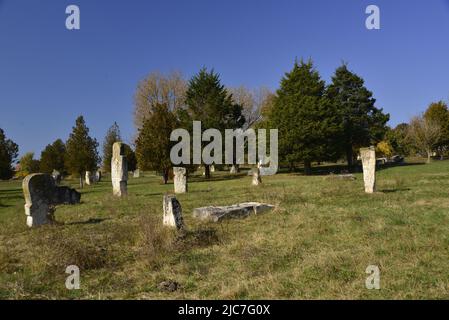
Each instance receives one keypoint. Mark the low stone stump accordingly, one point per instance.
(256, 177)
(56, 176)
(242, 210)
(42, 195)
(180, 179)
(172, 212)
(368, 156)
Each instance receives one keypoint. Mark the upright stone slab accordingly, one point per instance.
(89, 179)
(368, 156)
(136, 173)
(180, 179)
(42, 195)
(119, 170)
(212, 168)
(234, 169)
(98, 176)
(256, 176)
(56, 176)
(172, 212)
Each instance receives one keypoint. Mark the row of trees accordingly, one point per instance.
(424, 135)
(316, 122)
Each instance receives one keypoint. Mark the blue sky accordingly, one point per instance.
(50, 75)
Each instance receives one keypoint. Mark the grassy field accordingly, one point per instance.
(315, 245)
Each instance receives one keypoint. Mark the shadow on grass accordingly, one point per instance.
(394, 190)
(90, 221)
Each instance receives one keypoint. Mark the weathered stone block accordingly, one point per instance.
(241, 210)
(172, 212)
(180, 179)
(42, 195)
(119, 170)
(368, 156)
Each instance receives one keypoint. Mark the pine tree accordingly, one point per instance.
(208, 101)
(153, 143)
(8, 154)
(52, 157)
(112, 136)
(363, 123)
(82, 154)
(305, 118)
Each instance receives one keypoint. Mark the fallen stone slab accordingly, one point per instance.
(241, 210)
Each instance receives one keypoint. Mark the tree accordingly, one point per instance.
(208, 101)
(112, 136)
(158, 89)
(363, 123)
(384, 148)
(252, 102)
(8, 154)
(438, 112)
(130, 158)
(52, 157)
(305, 118)
(82, 153)
(399, 140)
(27, 165)
(153, 143)
(425, 134)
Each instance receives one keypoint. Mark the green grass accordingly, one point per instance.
(315, 245)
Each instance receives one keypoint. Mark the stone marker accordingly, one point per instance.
(172, 212)
(257, 179)
(119, 170)
(42, 195)
(241, 210)
(212, 168)
(98, 176)
(56, 176)
(368, 156)
(180, 179)
(89, 179)
(136, 173)
(234, 169)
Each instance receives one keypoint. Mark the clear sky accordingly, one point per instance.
(50, 75)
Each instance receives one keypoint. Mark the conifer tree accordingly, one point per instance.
(52, 157)
(82, 153)
(112, 136)
(8, 154)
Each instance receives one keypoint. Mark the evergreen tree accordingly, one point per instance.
(153, 143)
(82, 154)
(8, 154)
(208, 101)
(306, 120)
(130, 158)
(363, 124)
(52, 157)
(112, 136)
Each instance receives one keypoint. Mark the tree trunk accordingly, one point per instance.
(307, 167)
(165, 177)
(207, 171)
(350, 157)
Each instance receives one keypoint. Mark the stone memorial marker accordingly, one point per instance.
(180, 179)
(368, 156)
(89, 179)
(257, 179)
(56, 176)
(119, 170)
(42, 195)
(241, 210)
(98, 176)
(136, 173)
(172, 212)
(234, 169)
